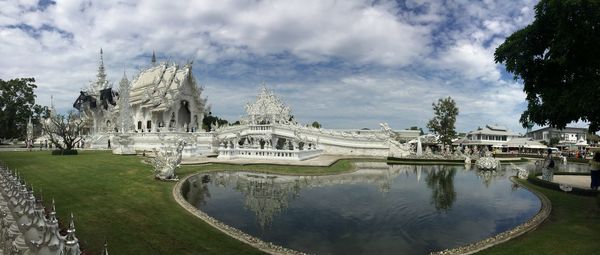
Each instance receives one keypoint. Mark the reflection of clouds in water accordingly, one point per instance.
(374, 210)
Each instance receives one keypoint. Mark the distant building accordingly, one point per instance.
(567, 137)
(523, 145)
(500, 139)
(490, 135)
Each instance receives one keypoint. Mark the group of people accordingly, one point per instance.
(594, 168)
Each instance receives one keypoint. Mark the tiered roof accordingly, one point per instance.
(157, 86)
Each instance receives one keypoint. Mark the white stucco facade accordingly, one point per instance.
(163, 103)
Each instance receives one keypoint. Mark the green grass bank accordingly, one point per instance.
(117, 197)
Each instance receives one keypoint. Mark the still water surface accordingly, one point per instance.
(378, 209)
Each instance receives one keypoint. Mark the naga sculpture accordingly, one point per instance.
(166, 161)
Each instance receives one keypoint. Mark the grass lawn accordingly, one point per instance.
(117, 197)
(573, 227)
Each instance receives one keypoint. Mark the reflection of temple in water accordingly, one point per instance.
(266, 195)
(488, 176)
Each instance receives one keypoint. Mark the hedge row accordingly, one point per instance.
(64, 152)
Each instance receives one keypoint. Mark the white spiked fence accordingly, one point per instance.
(26, 227)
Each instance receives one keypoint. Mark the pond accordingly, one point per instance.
(377, 209)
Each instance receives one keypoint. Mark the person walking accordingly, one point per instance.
(549, 161)
(595, 171)
(548, 167)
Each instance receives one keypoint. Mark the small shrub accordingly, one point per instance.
(64, 152)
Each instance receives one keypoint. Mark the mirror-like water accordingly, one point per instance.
(378, 209)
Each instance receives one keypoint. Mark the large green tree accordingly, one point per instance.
(558, 59)
(210, 120)
(442, 123)
(17, 104)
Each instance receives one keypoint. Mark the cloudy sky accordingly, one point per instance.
(346, 64)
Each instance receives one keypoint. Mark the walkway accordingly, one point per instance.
(579, 181)
(323, 160)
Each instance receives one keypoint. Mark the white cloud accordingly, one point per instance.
(343, 63)
(472, 60)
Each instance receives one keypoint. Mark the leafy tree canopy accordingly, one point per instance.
(210, 120)
(553, 141)
(417, 128)
(558, 59)
(442, 123)
(316, 124)
(17, 104)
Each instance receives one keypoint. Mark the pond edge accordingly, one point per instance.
(530, 225)
(270, 248)
(235, 233)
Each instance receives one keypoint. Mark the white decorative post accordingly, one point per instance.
(125, 120)
(29, 141)
(419, 147)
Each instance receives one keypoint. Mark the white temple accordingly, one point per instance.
(164, 105)
(162, 97)
(166, 96)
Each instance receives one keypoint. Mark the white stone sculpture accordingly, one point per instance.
(397, 149)
(29, 141)
(124, 144)
(419, 147)
(428, 151)
(522, 173)
(565, 187)
(166, 161)
(487, 163)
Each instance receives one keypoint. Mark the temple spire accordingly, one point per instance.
(101, 81)
(153, 58)
(52, 213)
(71, 242)
(52, 109)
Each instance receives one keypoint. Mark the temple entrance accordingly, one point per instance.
(157, 118)
(184, 115)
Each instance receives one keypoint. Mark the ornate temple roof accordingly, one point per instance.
(157, 86)
(268, 107)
